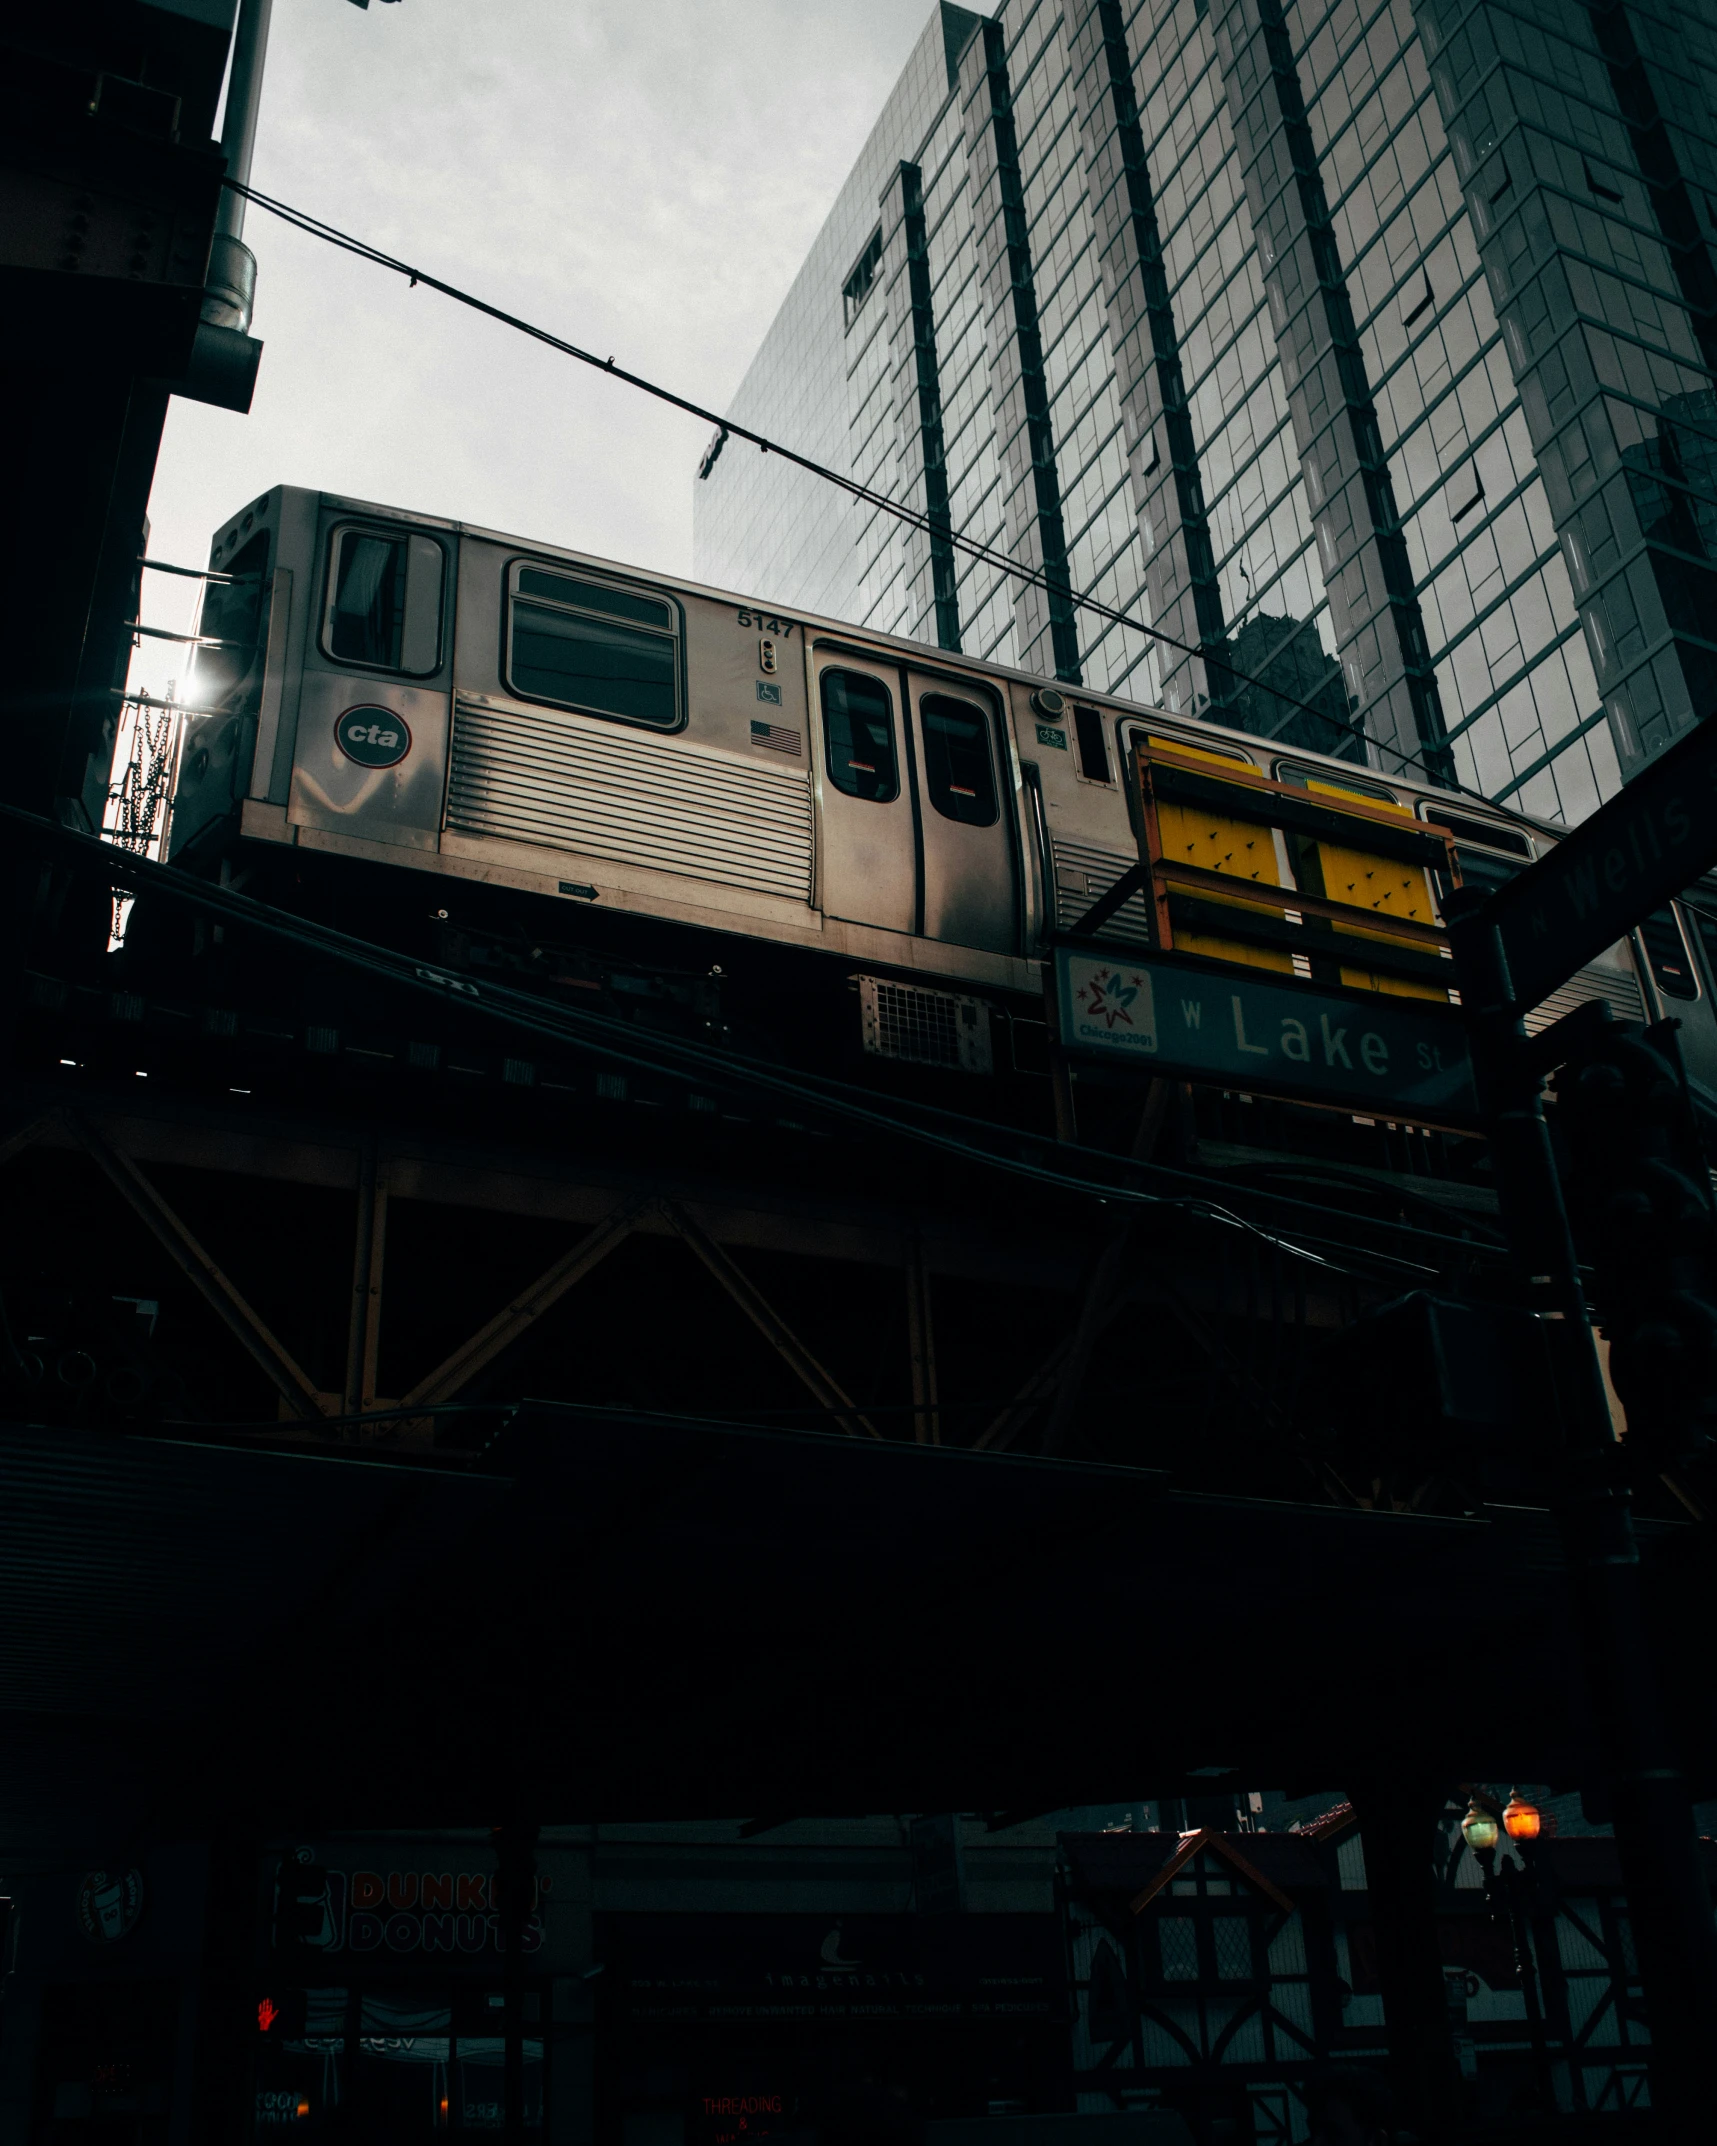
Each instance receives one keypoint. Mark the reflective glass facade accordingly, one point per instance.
(1366, 350)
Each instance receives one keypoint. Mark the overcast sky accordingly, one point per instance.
(641, 176)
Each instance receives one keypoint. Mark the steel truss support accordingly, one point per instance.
(769, 1323)
(1108, 1281)
(1013, 1417)
(457, 1372)
(24, 1136)
(206, 1275)
(921, 1345)
(364, 1335)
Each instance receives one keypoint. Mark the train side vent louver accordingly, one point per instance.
(1619, 987)
(925, 1028)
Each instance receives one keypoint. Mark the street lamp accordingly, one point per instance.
(1521, 1820)
(1507, 1891)
(1481, 1832)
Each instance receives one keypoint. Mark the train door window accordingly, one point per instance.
(858, 736)
(600, 649)
(384, 601)
(1093, 754)
(1671, 964)
(959, 765)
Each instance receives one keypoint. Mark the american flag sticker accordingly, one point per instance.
(776, 737)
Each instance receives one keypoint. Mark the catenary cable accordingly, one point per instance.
(332, 235)
(680, 1058)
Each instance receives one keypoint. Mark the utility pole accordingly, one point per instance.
(232, 265)
(1650, 1797)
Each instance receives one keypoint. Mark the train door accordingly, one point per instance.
(868, 867)
(960, 772)
(371, 751)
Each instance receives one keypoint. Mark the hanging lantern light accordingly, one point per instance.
(1479, 1828)
(1521, 1820)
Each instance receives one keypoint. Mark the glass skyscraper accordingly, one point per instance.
(1366, 349)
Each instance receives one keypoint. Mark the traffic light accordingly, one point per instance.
(1640, 1201)
(283, 2018)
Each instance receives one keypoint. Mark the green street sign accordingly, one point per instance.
(1273, 1035)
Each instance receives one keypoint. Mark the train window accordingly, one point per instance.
(858, 736)
(959, 768)
(1671, 964)
(1088, 734)
(1302, 778)
(384, 601)
(1479, 870)
(591, 646)
(1486, 831)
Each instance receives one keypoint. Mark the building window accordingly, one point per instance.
(1463, 492)
(857, 287)
(384, 601)
(1231, 1947)
(1603, 192)
(592, 646)
(1178, 1937)
(858, 736)
(1205, 1943)
(959, 770)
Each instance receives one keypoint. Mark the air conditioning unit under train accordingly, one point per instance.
(505, 720)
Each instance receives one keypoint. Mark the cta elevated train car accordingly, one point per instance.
(531, 740)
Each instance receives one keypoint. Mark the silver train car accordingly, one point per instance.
(404, 692)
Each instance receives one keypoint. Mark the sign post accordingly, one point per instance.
(1510, 952)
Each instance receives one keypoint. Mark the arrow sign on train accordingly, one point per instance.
(1612, 872)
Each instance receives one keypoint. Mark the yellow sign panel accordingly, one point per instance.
(1192, 834)
(1382, 884)
(1195, 832)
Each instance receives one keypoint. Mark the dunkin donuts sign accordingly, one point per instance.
(404, 1911)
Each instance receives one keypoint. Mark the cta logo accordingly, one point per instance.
(373, 737)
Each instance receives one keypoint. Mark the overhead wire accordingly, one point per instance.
(680, 1058)
(985, 554)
